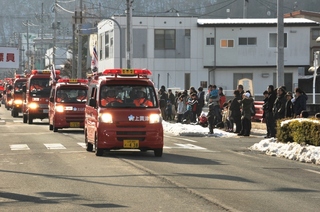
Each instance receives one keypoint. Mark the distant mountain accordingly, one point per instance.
(15, 13)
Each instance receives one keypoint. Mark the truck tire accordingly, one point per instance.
(158, 152)
(98, 151)
(88, 145)
(30, 119)
(25, 118)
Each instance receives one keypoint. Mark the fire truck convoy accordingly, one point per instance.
(67, 104)
(36, 95)
(123, 112)
(16, 93)
(7, 97)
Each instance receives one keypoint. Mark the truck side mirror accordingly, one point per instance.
(24, 89)
(93, 103)
(4, 92)
(51, 99)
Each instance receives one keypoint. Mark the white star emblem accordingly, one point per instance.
(131, 118)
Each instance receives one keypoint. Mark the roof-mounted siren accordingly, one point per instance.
(73, 81)
(127, 72)
(34, 72)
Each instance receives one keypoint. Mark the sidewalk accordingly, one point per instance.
(258, 125)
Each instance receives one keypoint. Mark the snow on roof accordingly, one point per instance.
(255, 21)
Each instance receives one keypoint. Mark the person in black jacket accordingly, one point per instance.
(289, 106)
(235, 110)
(279, 104)
(200, 95)
(300, 102)
(270, 122)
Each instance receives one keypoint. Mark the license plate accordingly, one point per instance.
(75, 124)
(45, 110)
(131, 144)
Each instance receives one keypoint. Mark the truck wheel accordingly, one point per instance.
(14, 112)
(98, 151)
(25, 118)
(158, 152)
(30, 119)
(54, 127)
(88, 145)
(50, 127)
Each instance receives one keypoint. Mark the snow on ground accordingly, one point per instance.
(292, 151)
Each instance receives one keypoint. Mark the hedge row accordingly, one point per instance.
(302, 131)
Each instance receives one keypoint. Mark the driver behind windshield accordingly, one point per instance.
(109, 96)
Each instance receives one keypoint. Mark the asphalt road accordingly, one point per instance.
(45, 171)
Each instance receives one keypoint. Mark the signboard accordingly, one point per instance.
(247, 85)
(9, 57)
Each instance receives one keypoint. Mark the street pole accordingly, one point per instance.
(245, 5)
(41, 50)
(280, 45)
(316, 66)
(129, 33)
(54, 33)
(28, 53)
(79, 66)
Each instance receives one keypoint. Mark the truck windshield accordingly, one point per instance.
(18, 87)
(40, 87)
(128, 96)
(71, 95)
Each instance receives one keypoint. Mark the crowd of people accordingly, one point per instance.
(233, 115)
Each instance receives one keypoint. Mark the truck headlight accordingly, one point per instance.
(106, 118)
(155, 118)
(17, 102)
(59, 108)
(33, 105)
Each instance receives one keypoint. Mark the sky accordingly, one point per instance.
(270, 146)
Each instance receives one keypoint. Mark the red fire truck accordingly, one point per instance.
(7, 96)
(16, 93)
(36, 95)
(67, 104)
(122, 112)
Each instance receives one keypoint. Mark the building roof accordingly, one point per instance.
(255, 22)
(302, 13)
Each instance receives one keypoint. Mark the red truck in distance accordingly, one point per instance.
(36, 95)
(17, 97)
(67, 104)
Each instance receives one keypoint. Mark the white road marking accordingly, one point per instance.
(309, 170)
(167, 147)
(17, 121)
(19, 147)
(2, 121)
(83, 145)
(190, 146)
(54, 146)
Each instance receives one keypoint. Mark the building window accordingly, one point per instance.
(106, 43)
(247, 41)
(226, 43)
(187, 32)
(273, 40)
(315, 33)
(165, 39)
(210, 41)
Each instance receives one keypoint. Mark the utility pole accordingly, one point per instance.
(28, 52)
(280, 45)
(129, 33)
(79, 66)
(41, 50)
(245, 6)
(54, 34)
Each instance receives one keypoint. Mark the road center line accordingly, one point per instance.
(309, 170)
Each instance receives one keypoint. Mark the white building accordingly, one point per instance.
(186, 51)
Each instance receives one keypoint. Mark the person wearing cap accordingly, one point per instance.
(109, 97)
(289, 106)
(270, 121)
(300, 102)
(141, 100)
(279, 104)
(235, 110)
(163, 97)
(246, 105)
